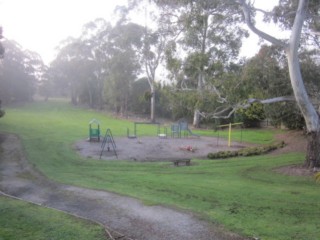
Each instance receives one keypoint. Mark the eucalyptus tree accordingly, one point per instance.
(301, 18)
(74, 65)
(95, 34)
(208, 35)
(2, 50)
(123, 44)
(66, 67)
(140, 96)
(101, 64)
(2, 112)
(153, 52)
(20, 73)
(46, 88)
(153, 40)
(265, 75)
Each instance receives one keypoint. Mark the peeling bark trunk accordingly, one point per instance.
(196, 118)
(201, 77)
(313, 150)
(308, 111)
(153, 105)
(196, 114)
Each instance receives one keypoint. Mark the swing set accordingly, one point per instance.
(230, 131)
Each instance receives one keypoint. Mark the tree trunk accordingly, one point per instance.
(313, 150)
(196, 114)
(153, 105)
(196, 118)
(100, 94)
(90, 93)
(307, 109)
(74, 98)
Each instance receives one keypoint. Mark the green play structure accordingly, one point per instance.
(94, 130)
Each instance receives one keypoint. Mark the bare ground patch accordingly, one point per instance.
(154, 148)
(296, 141)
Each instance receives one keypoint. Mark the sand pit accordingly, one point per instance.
(155, 148)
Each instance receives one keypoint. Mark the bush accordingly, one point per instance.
(317, 177)
(2, 113)
(251, 116)
(250, 151)
(285, 113)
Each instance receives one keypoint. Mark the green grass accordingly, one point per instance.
(245, 135)
(244, 194)
(20, 220)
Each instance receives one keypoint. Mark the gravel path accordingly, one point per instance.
(119, 214)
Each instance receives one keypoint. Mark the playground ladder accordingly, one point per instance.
(108, 140)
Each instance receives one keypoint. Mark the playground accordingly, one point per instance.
(154, 148)
(232, 192)
(176, 143)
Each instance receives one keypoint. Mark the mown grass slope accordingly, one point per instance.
(245, 195)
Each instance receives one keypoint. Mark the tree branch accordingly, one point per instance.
(272, 100)
(247, 14)
(226, 112)
(263, 11)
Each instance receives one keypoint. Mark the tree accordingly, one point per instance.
(95, 34)
(265, 76)
(154, 39)
(100, 66)
(2, 50)
(46, 88)
(66, 67)
(20, 73)
(75, 66)
(208, 35)
(305, 12)
(123, 46)
(153, 50)
(2, 112)
(140, 96)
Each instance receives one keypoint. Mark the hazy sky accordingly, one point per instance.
(39, 25)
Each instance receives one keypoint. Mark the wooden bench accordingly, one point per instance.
(185, 162)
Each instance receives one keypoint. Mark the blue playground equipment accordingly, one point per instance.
(181, 128)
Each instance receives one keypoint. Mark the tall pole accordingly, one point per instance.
(229, 137)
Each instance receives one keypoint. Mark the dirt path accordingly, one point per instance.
(124, 215)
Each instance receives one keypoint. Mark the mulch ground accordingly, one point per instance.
(154, 148)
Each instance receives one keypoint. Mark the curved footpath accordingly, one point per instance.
(119, 214)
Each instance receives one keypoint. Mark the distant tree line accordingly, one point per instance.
(113, 67)
(21, 71)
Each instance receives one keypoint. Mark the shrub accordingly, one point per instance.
(249, 151)
(2, 112)
(317, 177)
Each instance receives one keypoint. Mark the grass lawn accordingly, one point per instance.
(261, 136)
(243, 194)
(20, 220)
